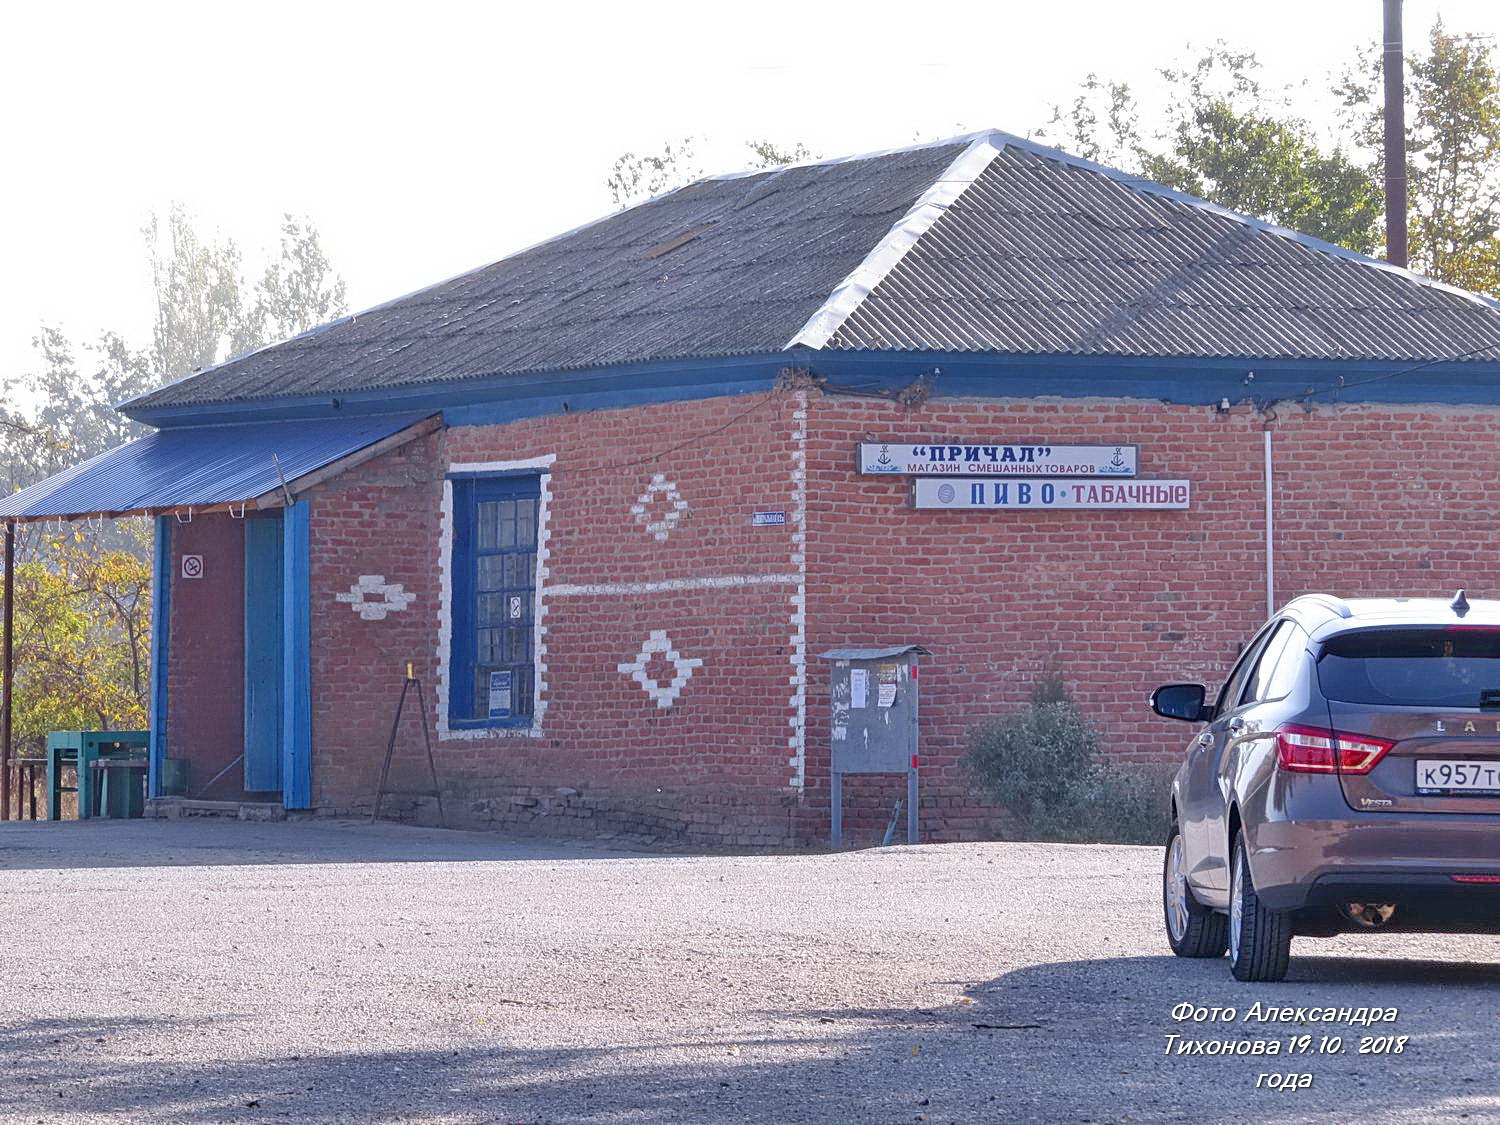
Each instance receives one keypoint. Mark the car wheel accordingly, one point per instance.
(1193, 930)
(1260, 940)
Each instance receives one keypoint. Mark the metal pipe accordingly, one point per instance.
(1270, 533)
(1393, 69)
(836, 810)
(911, 806)
(7, 669)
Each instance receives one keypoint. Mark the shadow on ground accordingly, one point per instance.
(1075, 1041)
(197, 842)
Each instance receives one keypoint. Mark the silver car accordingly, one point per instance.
(1346, 777)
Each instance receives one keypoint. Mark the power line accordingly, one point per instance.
(1342, 385)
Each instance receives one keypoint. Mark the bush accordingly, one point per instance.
(1041, 765)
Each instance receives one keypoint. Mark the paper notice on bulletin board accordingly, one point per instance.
(859, 687)
(887, 697)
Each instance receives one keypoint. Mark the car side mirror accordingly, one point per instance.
(1180, 701)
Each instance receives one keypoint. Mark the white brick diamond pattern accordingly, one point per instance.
(372, 597)
(658, 643)
(644, 509)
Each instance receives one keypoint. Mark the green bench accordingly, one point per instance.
(106, 763)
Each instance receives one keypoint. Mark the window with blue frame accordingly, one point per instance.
(494, 599)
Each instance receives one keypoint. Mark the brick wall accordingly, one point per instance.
(1370, 500)
(206, 646)
(686, 562)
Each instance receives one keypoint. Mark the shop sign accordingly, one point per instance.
(991, 459)
(935, 492)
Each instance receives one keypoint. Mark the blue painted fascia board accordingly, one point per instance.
(549, 388)
(1184, 381)
(161, 620)
(296, 657)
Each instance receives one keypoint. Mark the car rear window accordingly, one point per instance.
(1412, 667)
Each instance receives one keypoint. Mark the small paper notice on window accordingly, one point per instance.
(887, 695)
(500, 695)
(859, 687)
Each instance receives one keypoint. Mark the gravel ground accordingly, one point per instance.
(217, 971)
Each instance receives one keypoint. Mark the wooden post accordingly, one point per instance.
(6, 668)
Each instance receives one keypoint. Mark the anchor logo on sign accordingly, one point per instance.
(885, 456)
(1117, 462)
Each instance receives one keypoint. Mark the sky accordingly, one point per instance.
(424, 139)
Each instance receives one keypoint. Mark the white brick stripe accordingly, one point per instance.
(797, 740)
(671, 585)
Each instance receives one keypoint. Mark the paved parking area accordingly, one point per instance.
(217, 971)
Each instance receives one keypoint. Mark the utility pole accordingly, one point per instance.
(1394, 70)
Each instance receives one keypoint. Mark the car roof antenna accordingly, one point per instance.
(1459, 605)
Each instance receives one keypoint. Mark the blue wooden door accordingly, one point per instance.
(263, 642)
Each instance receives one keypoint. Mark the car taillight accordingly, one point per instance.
(1475, 878)
(1320, 750)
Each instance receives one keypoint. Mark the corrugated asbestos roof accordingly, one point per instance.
(199, 467)
(989, 243)
(1038, 255)
(776, 244)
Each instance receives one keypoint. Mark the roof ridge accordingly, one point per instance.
(886, 254)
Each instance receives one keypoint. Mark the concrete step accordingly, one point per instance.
(171, 808)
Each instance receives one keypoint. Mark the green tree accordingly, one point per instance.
(72, 415)
(82, 640)
(636, 177)
(83, 596)
(298, 291)
(1228, 139)
(200, 296)
(205, 311)
(1453, 153)
(1102, 124)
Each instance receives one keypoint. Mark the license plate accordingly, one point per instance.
(1453, 776)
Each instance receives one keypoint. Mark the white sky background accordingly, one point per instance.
(426, 138)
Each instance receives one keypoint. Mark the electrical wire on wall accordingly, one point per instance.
(1347, 384)
(1268, 409)
(785, 381)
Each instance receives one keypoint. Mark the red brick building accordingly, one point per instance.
(604, 497)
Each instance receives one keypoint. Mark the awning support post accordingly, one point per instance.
(296, 657)
(7, 667)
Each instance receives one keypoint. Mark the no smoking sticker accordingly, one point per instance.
(192, 566)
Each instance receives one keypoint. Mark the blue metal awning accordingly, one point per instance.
(200, 467)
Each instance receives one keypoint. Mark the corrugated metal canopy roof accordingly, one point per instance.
(203, 466)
